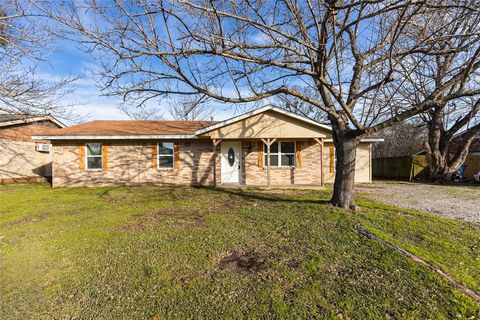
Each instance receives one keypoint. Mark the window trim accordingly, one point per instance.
(334, 159)
(93, 156)
(279, 154)
(165, 155)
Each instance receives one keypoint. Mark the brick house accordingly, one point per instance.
(22, 158)
(472, 162)
(234, 151)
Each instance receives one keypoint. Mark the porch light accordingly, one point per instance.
(250, 147)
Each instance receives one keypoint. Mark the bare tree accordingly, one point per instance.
(301, 107)
(190, 108)
(445, 123)
(23, 39)
(402, 139)
(450, 81)
(141, 112)
(353, 53)
(182, 108)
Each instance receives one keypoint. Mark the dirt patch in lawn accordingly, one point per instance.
(458, 202)
(293, 264)
(240, 262)
(191, 222)
(26, 221)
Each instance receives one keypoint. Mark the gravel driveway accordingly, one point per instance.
(459, 202)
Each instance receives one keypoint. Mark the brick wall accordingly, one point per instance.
(131, 163)
(19, 161)
(308, 173)
(474, 146)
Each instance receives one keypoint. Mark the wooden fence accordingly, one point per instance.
(415, 167)
(401, 168)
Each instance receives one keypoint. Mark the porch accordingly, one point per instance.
(266, 162)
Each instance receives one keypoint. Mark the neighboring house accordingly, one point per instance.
(472, 163)
(474, 149)
(233, 152)
(23, 159)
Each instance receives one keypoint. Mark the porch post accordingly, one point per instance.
(216, 142)
(268, 164)
(320, 142)
(268, 142)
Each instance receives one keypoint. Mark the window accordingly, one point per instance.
(282, 154)
(93, 156)
(165, 155)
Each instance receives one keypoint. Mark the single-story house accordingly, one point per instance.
(22, 158)
(230, 152)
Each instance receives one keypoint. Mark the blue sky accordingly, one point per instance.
(67, 60)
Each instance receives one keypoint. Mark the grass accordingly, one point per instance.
(453, 245)
(179, 252)
(462, 191)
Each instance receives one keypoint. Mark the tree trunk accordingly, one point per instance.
(442, 166)
(436, 145)
(346, 152)
(445, 152)
(437, 164)
(444, 155)
(438, 170)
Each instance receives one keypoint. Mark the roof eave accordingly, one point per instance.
(363, 140)
(116, 137)
(33, 119)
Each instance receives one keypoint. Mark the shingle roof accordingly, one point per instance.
(10, 117)
(147, 129)
(14, 119)
(133, 127)
(25, 133)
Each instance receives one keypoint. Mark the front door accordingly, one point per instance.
(230, 163)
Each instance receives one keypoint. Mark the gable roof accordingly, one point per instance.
(258, 111)
(149, 129)
(152, 129)
(14, 119)
(129, 129)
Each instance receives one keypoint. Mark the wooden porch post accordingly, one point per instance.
(268, 142)
(320, 142)
(216, 142)
(268, 164)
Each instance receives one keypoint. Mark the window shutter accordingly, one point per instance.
(176, 155)
(104, 156)
(332, 159)
(154, 155)
(81, 157)
(260, 154)
(298, 154)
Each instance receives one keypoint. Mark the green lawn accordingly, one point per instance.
(178, 252)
